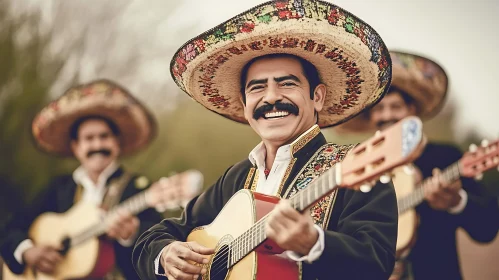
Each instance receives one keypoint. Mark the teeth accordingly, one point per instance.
(276, 114)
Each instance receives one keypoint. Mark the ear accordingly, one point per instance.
(244, 107)
(319, 97)
(412, 109)
(74, 146)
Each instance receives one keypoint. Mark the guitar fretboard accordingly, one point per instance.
(133, 205)
(450, 174)
(248, 241)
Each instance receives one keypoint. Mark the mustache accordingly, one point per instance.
(381, 124)
(279, 106)
(105, 152)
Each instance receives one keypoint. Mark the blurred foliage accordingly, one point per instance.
(26, 74)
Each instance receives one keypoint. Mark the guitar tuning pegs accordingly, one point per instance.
(365, 188)
(479, 177)
(385, 179)
(485, 143)
(473, 148)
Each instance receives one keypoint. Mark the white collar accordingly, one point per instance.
(259, 153)
(80, 176)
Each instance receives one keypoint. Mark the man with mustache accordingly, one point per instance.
(418, 87)
(292, 81)
(96, 123)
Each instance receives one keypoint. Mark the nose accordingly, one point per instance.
(96, 143)
(386, 114)
(272, 95)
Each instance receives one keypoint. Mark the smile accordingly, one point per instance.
(275, 115)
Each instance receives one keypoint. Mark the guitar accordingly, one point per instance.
(78, 230)
(472, 164)
(242, 250)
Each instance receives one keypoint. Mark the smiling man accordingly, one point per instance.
(286, 68)
(96, 123)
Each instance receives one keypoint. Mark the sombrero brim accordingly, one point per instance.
(421, 78)
(103, 98)
(350, 56)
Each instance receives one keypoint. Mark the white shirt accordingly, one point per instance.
(93, 193)
(461, 205)
(270, 186)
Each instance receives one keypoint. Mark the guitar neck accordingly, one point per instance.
(133, 205)
(450, 174)
(248, 241)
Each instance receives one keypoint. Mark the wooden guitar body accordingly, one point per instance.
(241, 212)
(404, 184)
(88, 259)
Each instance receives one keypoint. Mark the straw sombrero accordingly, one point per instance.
(420, 77)
(51, 127)
(352, 60)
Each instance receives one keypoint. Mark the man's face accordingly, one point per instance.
(96, 146)
(278, 105)
(391, 109)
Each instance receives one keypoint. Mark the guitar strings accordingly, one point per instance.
(450, 174)
(248, 234)
(219, 267)
(319, 181)
(134, 204)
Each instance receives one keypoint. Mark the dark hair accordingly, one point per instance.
(309, 71)
(73, 130)
(405, 96)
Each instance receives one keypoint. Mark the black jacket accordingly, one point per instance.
(359, 241)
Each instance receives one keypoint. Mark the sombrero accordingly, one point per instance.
(421, 78)
(352, 60)
(103, 98)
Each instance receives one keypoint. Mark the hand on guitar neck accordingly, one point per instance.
(291, 230)
(124, 227)
(441, 194)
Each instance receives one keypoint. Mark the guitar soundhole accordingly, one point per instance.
(66, 243)
(218, 269)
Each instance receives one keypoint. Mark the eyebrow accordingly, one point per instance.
(277, 79)
(255, 82)
(287, 77)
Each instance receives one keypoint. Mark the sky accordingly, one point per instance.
(133, 41)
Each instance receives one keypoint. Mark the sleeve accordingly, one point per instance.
(315, 251)
(201, 210)
(480, 209)
(362, 246)
(17, 228)
(479, 213)
(147, 218)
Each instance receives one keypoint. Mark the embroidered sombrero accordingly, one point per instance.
(420, 77)
(51, 127)
(352, 60)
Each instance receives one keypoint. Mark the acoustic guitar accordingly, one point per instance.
(242, 250)
(410, 195)
(78, 230)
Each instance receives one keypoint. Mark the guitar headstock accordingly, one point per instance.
(399, 144)
(175, 191)
(479, 159)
